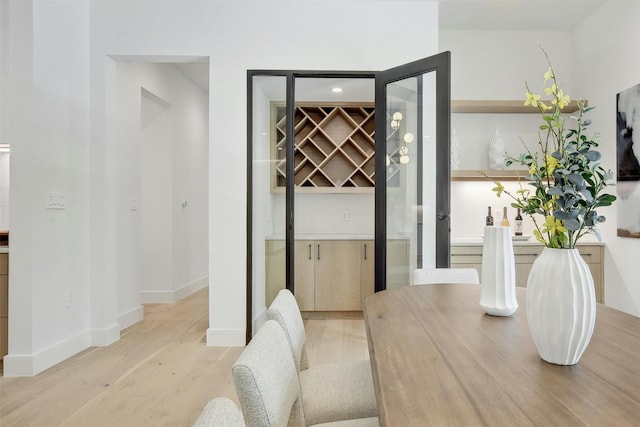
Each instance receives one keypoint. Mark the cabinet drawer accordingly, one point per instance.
(592, 254)
(526, 254)
(466, 255)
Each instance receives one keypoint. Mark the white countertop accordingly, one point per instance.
(325, 237)
(4, 249)
(477, 241)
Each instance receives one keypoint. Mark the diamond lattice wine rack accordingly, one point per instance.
(334, 147)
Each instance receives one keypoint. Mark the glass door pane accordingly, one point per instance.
(412, 204)
(334, 161)
(268, 177)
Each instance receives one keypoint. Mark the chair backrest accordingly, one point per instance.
(220, 412)
(426, 276)
(284, 309)
(266, 380)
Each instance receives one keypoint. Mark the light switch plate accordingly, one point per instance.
(55, 200)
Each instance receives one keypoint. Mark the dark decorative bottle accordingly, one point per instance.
(518, 224)
(489, 220)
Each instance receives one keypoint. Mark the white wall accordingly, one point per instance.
(274, 35)
(73, 271)
(591, 64)
(606, 63)
(48, 129)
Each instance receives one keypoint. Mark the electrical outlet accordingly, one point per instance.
(344, 216)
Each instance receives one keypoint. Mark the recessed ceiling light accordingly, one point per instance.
(336, 90)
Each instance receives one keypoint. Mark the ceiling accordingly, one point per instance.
(514, 14)
(497, 15)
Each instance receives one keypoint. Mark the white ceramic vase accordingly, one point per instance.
(498, 285)
(561, 305)
(455, 151)
(496, 152)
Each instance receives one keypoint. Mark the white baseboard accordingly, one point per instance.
(190, 288)
(30, 365)
(169, 297)
(225, 337)
(130, 318)
(105, 337)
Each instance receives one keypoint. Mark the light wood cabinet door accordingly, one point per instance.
(4, 295)
(367, 257)
(304, 268)
(337, 275)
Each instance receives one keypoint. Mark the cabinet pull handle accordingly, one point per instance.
(309, 250)
(365, 251)
(318, 251)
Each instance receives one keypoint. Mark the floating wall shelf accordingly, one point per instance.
(502, 107)
(491, 175)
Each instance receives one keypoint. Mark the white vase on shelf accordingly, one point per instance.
(496, 152)
(498, 285)
(455, 151)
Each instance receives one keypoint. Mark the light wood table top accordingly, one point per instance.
(439, 360)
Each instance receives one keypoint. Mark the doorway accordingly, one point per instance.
(309, 158)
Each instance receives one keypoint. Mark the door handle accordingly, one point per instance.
(443, 215)
(318, 250)
(365, 251)
(309, 250)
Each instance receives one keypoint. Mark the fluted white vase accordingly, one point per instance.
(498, 285)
(561, 305)
(496, 152)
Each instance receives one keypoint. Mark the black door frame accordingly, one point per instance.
(441, 65)
(290, 75)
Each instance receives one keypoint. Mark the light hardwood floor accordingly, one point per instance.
(159, 373)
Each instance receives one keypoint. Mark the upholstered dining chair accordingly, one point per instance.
(266, 381)
(427, 276)
(220, 412)
(332, 391)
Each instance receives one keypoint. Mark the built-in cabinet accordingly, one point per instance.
(4, 304)
(471, 256)
(329, 275)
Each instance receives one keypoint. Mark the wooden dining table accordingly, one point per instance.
(439, 360)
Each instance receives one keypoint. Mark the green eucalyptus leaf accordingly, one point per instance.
(572, 224)
(587, 195)
(555, 191)
(561, 215)
(593, 156)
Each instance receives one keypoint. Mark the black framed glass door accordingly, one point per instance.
(410, 177)
(412, 169)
